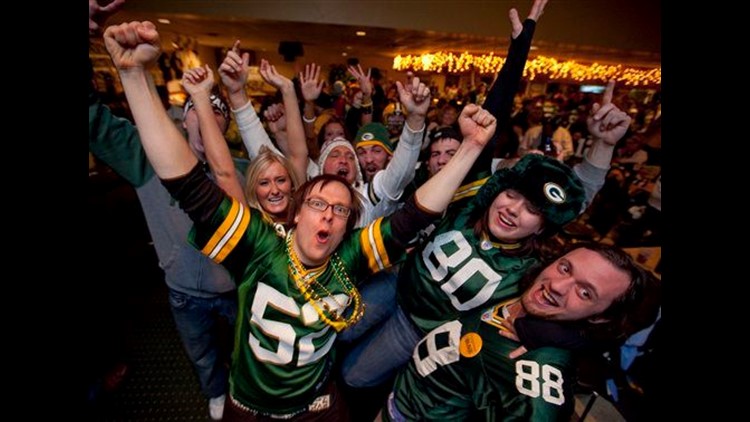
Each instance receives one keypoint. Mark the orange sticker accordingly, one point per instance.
(470, 345)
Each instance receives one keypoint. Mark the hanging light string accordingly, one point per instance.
(540, 66)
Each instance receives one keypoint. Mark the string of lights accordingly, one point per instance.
(540, 66)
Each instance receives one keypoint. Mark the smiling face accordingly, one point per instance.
(372, 159)
(512, 217)
(319, 233)
(578, 285)
(273, 190)
(341, 162)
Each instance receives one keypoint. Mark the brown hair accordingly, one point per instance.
(322, 132)
(323, 179)
(632, 311)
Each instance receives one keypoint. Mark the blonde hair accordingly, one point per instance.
(260, 164)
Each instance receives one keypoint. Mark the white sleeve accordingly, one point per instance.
(251, 130)
(390, 182)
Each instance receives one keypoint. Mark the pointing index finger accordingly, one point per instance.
(608, 91)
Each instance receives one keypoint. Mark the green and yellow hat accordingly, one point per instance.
(374, 134)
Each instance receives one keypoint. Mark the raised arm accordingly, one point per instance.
(391, 181)
(310, 86)
(366, 86)
(296, 151)
(499, 99)
(233, 71)
(99, 14)
(198, 83)
(133, 47)
(276, 120)
(607, 124)
(477, 127)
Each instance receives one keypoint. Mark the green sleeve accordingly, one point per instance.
(115, 142)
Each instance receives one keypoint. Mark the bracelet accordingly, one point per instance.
(424, 125)
(306, 120)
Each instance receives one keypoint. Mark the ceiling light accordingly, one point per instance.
(164, 21)
(344, 54)
(361, 33)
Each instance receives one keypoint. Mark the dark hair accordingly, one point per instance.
(529, 244)
(444, 132)
(322, 132)
(632, 311)
(299, 196)
(636, 308)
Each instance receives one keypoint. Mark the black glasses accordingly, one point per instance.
(321, 205)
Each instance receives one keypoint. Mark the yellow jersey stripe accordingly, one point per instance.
(231, 215)
(237, 232)
(227, 235)
(469, 189)
(373, 247)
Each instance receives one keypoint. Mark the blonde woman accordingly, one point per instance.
(270, 182)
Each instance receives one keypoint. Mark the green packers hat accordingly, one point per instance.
(547, 183)
(374, 134)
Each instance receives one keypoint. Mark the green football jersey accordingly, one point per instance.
(456, 271)
(461, 371)
(283, 349)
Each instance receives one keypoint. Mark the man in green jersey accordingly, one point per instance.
(463, 368)
(293, 289)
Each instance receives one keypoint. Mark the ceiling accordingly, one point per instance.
(624, 32)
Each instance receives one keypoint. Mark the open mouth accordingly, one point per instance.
(343, 172)
(506, 221)
(547, 298)
(322, 236)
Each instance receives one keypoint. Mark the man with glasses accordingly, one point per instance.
(292, 289)
(322, 206)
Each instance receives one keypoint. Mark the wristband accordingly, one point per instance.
(424, 125)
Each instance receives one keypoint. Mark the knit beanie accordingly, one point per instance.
(329, 145)
(374, 134)
(217, 103)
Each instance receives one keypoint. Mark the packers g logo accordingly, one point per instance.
(368, 136)
(554, 192)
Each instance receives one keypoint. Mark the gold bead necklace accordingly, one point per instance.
(307, 282)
